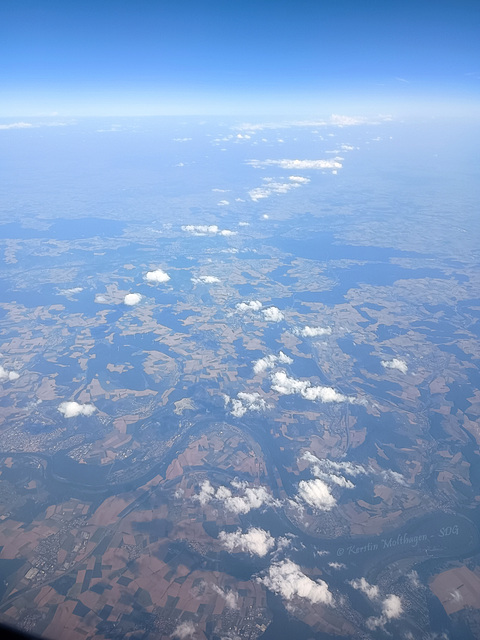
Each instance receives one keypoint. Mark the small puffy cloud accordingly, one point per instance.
(285, 385)
(241, 499)
(392, 608)
(9, 376)
(184, 630)
(396, 363)
(391, 605)
(287, 580)
(255, 541)
(246, 402)
(272, 314)
(299, 179)
(270, 187)
(157, 276)
(181, 139)
(100, 299)
(207, 492)
(16, 125)
(207, 230)
(333, 472)
(268, 362)
(71, 292)
(230, 597)
(223, 203)
(131, 299)
(205, 280)
(346, 121)
(73, 409)
(252, 305)
(316, 494)
(370, 590)
(243, 224)
(337, 565)
(297, 164)
(313, 332)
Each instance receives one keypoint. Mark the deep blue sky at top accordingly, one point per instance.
(229, 56)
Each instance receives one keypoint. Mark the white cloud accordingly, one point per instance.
(243, 224)
(391, 604)
(245, 499)
(273, 314)
(205, 280)
(313, 332)
(299, 179)
(316, 494)
(330, 471)
(221, 190)
(283, 384)
(184, 630)
(337, 565)
(207, 492)
(270, 187)
(8, 375)
(131, 299)
(297, 164)
(71, 292)
(286, 579)
(396, 363)
(230, 597)
(157, 276)
(346, 121)
(181, 139)
(392, 608)
(255, 541)
(73, 409)
(268, 362)
(370, 590)
(223, 203)
(252, 305)
(207, 230)
(246, 402)
(17, 125)
(99, 299)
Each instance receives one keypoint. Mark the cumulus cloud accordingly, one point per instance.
(287, 580)
(285, 385)
(272, 314)
(223, 203)
(396, 363)
(370, 590)
(205, 280)
(241, 499)
(17, 125)
(346, 121)
(207, 230)
(73, 409)
(337, 565)
(230, 597)
(8, 375)
(255, 541)
(297, 164)
(268, 362)
(272, 187)
(392, 608)
(252, 305)
(391, 605)
(332, 471)
(157, 276)
(316, 494)
(131, 299)
(246, 402)
(299, 179)
(100, 299)
(184, 630)
(313, 332)
(71, 292)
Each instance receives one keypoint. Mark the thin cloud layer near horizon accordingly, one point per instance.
(214, 57)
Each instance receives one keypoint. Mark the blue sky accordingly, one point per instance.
(211, 56)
